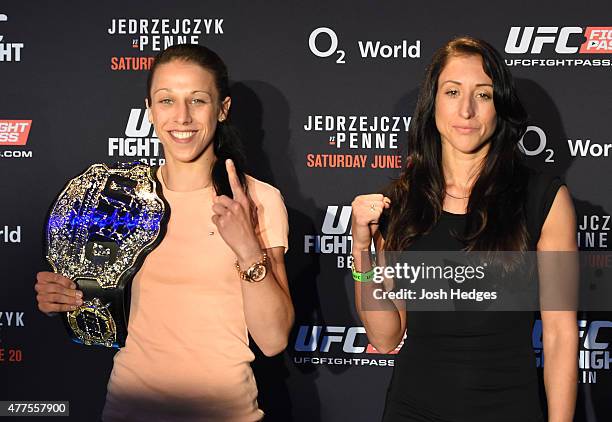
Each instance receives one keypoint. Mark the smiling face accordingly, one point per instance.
(185, 109)
(464, 110)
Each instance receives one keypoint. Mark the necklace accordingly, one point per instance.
(165, 178)
(456, 197)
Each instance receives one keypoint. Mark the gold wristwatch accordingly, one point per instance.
(255, 272)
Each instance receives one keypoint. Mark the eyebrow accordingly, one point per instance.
(459, 83)
(192, 92)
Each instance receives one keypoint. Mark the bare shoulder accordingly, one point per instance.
(559, 229)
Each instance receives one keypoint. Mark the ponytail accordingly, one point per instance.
(226, 145)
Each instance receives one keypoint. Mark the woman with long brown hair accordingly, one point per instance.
(466, 188)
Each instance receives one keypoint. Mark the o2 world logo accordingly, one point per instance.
(576, 147)
(541, 144)
(368, 49)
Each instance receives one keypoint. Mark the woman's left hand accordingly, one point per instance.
(235, 220)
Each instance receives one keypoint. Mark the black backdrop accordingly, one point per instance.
(312, 83)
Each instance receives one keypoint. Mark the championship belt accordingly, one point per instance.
(100, 228)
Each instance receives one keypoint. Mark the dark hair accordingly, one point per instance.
(495, 218)
(226, 142)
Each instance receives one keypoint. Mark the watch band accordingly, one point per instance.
(255, 272)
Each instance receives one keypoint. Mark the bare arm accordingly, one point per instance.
(268, 310)
(386, 325)
(560, 330)
(267, 305)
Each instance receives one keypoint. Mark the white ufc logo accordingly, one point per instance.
(519, 44)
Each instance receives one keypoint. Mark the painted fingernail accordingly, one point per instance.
(79, 302)
(73, 286)
(79, 294)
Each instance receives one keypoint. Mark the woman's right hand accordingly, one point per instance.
(56, 293)
(367, 210)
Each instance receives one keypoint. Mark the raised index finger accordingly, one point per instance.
(234, 181)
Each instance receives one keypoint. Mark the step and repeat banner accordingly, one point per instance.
(323, 95)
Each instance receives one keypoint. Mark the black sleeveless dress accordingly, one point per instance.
(469, 366)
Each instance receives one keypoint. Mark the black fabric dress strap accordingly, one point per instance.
(541, 191)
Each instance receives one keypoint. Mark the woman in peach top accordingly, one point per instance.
(187, 355)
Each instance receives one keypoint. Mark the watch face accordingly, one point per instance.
(257, 272)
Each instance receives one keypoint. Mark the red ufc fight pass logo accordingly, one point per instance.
(14, 132)
(599, 40)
